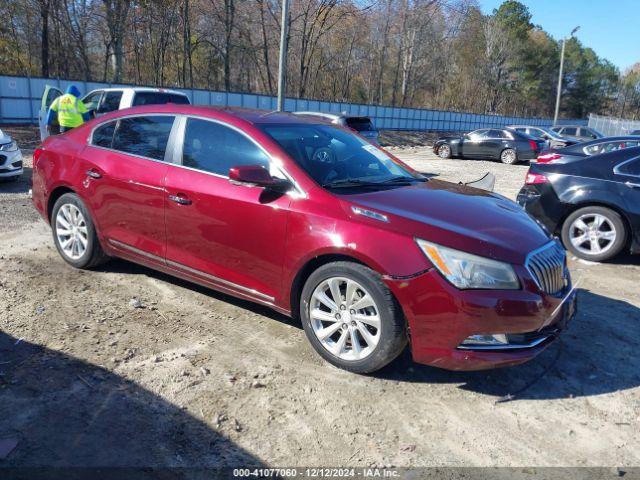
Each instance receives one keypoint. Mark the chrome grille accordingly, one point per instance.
(547, 266)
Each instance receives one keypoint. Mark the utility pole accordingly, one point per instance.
(559, 92)
(282, 63)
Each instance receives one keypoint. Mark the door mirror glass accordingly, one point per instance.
(258, 176)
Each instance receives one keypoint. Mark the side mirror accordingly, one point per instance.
(256, 175)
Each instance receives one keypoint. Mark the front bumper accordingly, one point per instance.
(441, 317)
(11, 164)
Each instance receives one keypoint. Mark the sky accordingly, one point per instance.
(609, 27)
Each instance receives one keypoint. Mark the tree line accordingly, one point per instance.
(443, 54)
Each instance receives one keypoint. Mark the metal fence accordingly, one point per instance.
(612, 126)
(20, 99)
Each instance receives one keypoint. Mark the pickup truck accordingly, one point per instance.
(106, 100)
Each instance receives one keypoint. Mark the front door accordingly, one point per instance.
(230, 236)
(126, 167)
(49, 95)
(473, 144)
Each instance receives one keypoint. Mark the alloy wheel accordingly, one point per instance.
(444, 151)
(508, 156)
(345, 318)
(71, 231)
(592, 234)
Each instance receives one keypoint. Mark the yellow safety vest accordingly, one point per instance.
(69, 110)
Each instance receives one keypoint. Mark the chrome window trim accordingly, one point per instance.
(151, 256)
(180, 146)
(167, 158)
(616, 169)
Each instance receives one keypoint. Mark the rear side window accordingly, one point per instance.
(158, 98)
(496, 134)
(111, 102)
(630, 168)
(143, 136)
(360, 124)
(103, 135)
(215, 148)
(569, 131)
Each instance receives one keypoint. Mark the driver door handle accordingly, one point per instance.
(93, 173)
(180, 199)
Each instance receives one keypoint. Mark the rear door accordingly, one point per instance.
(49, 95)
(231, 236)
(628, 174)
(126, 167)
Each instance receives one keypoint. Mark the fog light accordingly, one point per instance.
(486, 340)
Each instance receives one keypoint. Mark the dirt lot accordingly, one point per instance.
(128, 367)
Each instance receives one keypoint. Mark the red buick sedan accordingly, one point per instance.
(315, 222)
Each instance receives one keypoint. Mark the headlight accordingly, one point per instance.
(464, 270)
(9, 147)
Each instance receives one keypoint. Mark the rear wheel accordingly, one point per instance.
(508, 156)
(444, 151)
(351, 318)
(74, 233)
(594, 233)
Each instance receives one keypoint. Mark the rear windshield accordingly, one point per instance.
(360, 124)
(159, 98)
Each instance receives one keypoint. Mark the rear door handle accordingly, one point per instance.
(93, 173)
(180, 199)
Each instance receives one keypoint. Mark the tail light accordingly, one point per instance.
(36, 155)
(533, 145)
(535, 179)
(548, 157)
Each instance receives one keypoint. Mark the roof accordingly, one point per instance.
(140, 89)
(253, 116)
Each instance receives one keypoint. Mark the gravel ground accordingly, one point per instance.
(124, 366)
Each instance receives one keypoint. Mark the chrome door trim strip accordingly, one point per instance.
(180, 266)
(135, 250)
(215, 279)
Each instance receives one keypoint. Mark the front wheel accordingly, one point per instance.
(508, 156)
(74, 233)
(351, 318)
(594, 233)
(444, 151)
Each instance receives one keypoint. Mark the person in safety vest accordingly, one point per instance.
(69, 110)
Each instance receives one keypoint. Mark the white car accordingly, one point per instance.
(10, 158)
(362, 125)
(106, 100)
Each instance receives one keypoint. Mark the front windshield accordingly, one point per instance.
(334, 157)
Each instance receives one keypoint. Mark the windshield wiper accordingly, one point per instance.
(402, 180)
(350, 182)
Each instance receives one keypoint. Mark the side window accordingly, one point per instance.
(215, 148)
(630, 168)
(111, 102)
(103, 135)
(91, 101)
(495, 134)
(479, 135)
(144, 136)
(51, 96)
(570, 131)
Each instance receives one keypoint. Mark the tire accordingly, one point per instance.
(377, 345)
(508, 156)
(70, 214)
(444, 151)
(603, 231)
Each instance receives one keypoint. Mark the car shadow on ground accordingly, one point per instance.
(21, 185)
(64, 412)
(117, 265)
(595, 355)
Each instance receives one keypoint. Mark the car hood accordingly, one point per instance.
(460, 217)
